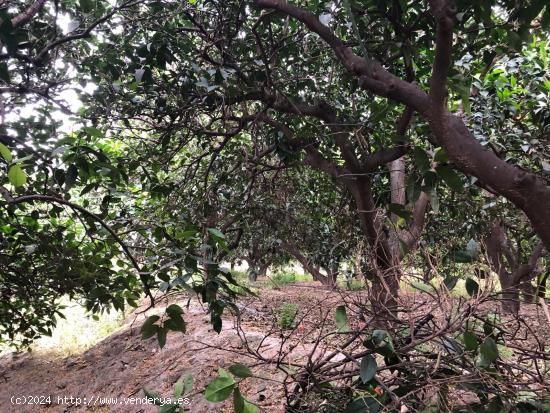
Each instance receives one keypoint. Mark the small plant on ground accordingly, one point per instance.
(287, 315)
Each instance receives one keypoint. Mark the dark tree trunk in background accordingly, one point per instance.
(257, 269)
(518, 275)
(262, 269)
(328, 280)
(257, 263)
(332, 274)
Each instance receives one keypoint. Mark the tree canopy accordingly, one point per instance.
(145, 143)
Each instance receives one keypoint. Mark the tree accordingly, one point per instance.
(514, 271)
(76, 221)
(207, 87)
(519, 186)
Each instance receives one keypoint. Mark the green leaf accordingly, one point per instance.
(379, 337)
(16, 176)
(216, 322)
(238, 401)
(450, 282)
(223, 373)
(178, 388)
(488, 352)
(71, 176)
(381, 343)
(514, 40)
(153, 395)
(450, 177)
(367, 368)
(94, 132)
(472, 287)
(429, 181)
(5, 152)
(240, 370)
(187, 382)
(366, 404)
(400, 211)
(440, 155)
(421, 159)
(219, 389)
(161, 336)
(413, 190)
(174, 309)
(216, 233)
(86, 5)
(149, 328)
(168, 408)
(462, 257)
(434, 200)
(470, 341)
(422, 286)
(341, 318)
(241, 405)
(4, 72)
(175, 323)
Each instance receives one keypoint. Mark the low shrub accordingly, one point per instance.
(287, 315)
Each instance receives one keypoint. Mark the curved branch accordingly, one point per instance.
(373, 76)
(24, 17)
(49, 198)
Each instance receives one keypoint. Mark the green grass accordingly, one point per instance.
(281, 278)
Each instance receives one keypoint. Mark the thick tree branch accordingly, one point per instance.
(24, 17)
(494, 246)
(443, 13)
(295, 252)
(411, 235)
(373, 76)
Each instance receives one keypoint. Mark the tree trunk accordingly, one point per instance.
(383, 296)
(510, 299)
(387, 246)
(309, 268)
(332, 274)
(520, 275)
(262, 269)
(528, 292)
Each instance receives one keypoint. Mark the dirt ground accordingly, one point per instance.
(123, 364)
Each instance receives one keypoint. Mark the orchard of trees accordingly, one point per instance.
(149, 146)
